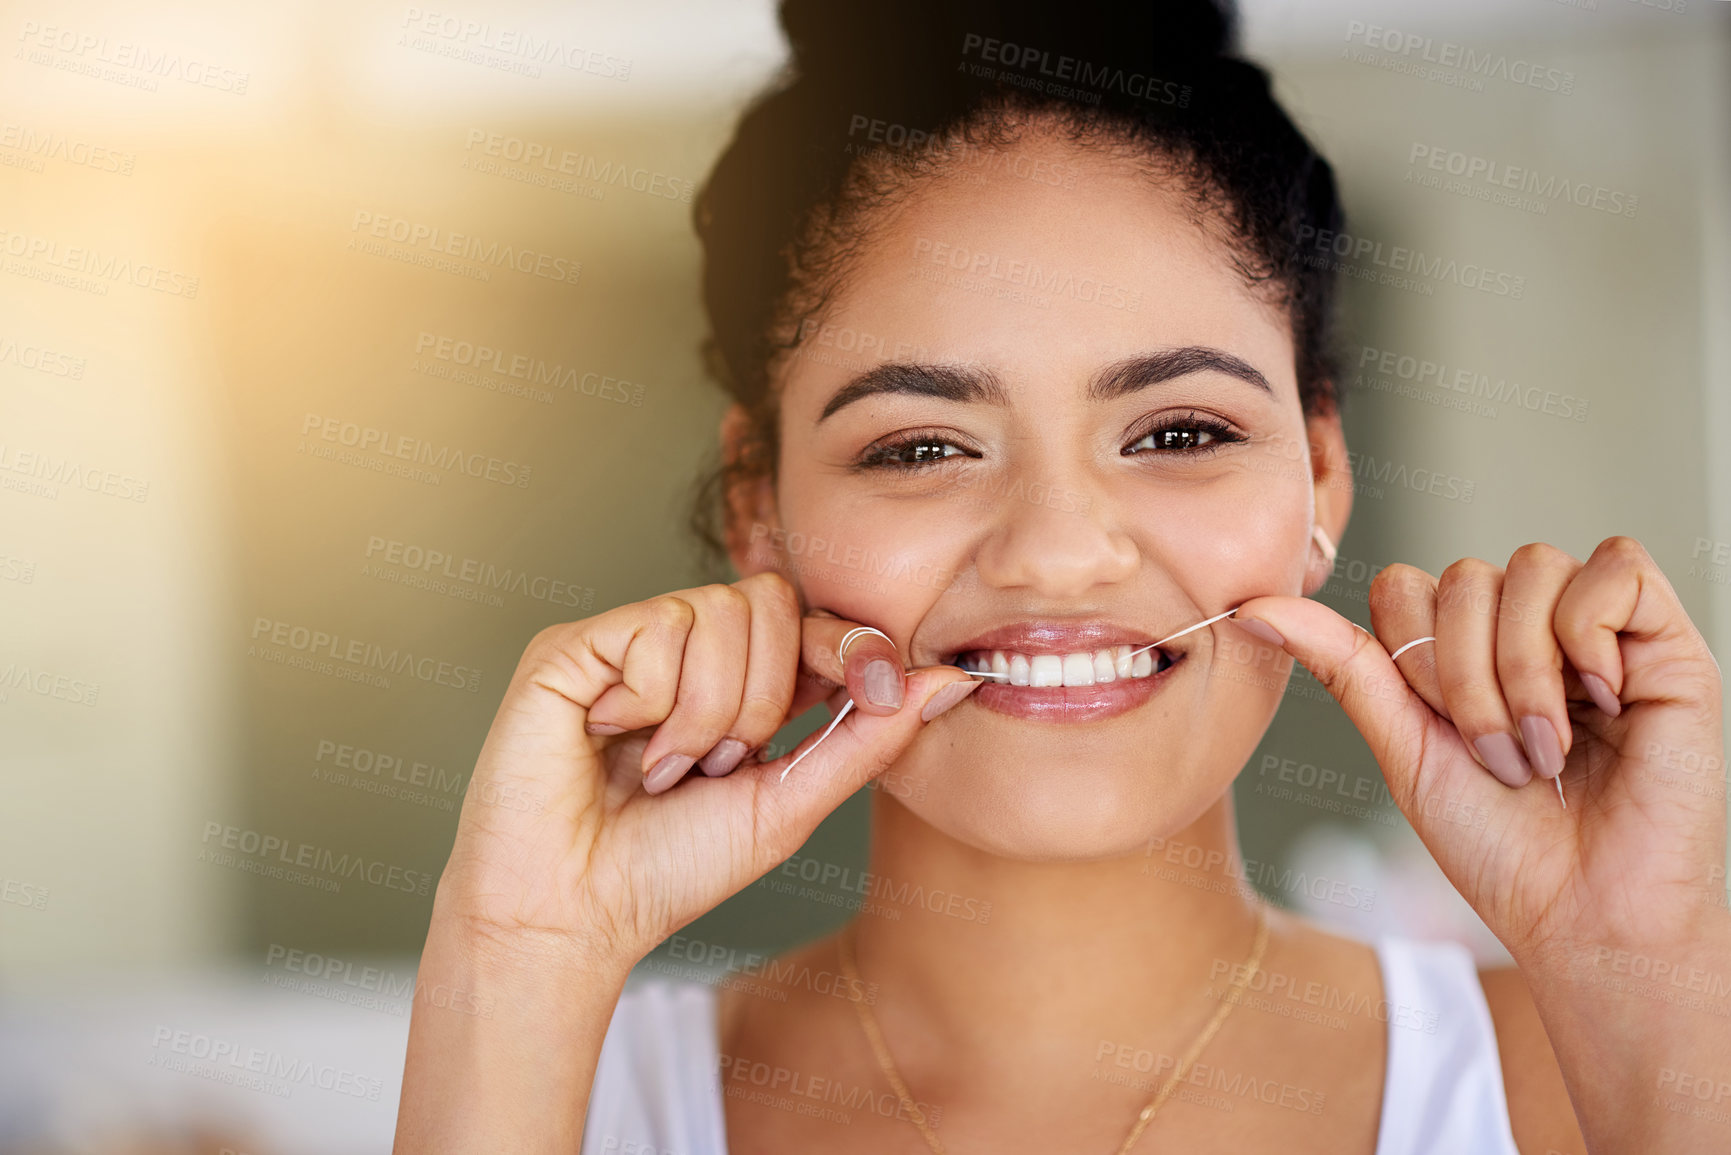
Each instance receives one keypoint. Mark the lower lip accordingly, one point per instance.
(1072, 703)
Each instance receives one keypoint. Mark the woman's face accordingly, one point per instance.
(1052, 421)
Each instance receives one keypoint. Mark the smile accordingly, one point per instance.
(1040, 686)
(1083, 668)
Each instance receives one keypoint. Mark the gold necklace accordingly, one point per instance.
(844, 948)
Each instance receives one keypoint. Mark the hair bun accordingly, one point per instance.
(835, 38)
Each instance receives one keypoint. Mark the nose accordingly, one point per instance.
(1054, 541)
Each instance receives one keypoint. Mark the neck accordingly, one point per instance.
(1101, 950)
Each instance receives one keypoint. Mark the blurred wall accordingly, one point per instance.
(245, 628)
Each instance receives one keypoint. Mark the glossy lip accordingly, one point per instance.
(1071, 703)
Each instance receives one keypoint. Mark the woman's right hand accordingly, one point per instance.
(570, 833)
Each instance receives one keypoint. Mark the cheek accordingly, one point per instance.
(1236, 542)
(865, 562)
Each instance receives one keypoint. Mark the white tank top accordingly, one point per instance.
(658, 1087)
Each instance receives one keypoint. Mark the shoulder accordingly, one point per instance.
(1540, 1111)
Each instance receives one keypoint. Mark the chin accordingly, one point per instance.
(1053, 797)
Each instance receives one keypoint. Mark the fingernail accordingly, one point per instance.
(1263, 630)
(603, 728)
(883, 684)
(947, 697)
(1543, 748)
(1499, 752)
(727, 754)
(666, 772)
(1600, 691)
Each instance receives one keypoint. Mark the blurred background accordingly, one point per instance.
(251, 640)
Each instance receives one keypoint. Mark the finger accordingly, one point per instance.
(1468, 593)
(631, 658)
(1395, 722)
(873, 673)
(1620, 622)
(1402, 608)
(1529, 658)
(856, 751)
(771, 664)
(711, 681)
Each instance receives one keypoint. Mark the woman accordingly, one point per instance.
(1030, 373)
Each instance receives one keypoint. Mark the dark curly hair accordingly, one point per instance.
(878, 93)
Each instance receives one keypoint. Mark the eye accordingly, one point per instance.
(910, 451)
(1190, 433)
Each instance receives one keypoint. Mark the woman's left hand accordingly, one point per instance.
(1636, 860)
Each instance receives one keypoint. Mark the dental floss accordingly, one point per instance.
(848, 705)
(1133, 653)
(841, 652)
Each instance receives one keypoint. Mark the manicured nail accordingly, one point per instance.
(1600, 691)
(727, 754)
(666, 772)
(883, 684)
(1499, 752)
(1544, 750)
(1263, 630)
(603, 728)
(947, 697)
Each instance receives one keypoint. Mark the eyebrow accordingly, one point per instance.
(965, 384)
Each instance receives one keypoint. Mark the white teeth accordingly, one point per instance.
(1078, 669)
(1084, 668)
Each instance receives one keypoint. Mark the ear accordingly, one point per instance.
(752, 528)
(1331, 479)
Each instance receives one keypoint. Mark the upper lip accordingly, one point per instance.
(1052, 637)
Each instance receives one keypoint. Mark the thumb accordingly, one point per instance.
(857, 750)
(1356, 670)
